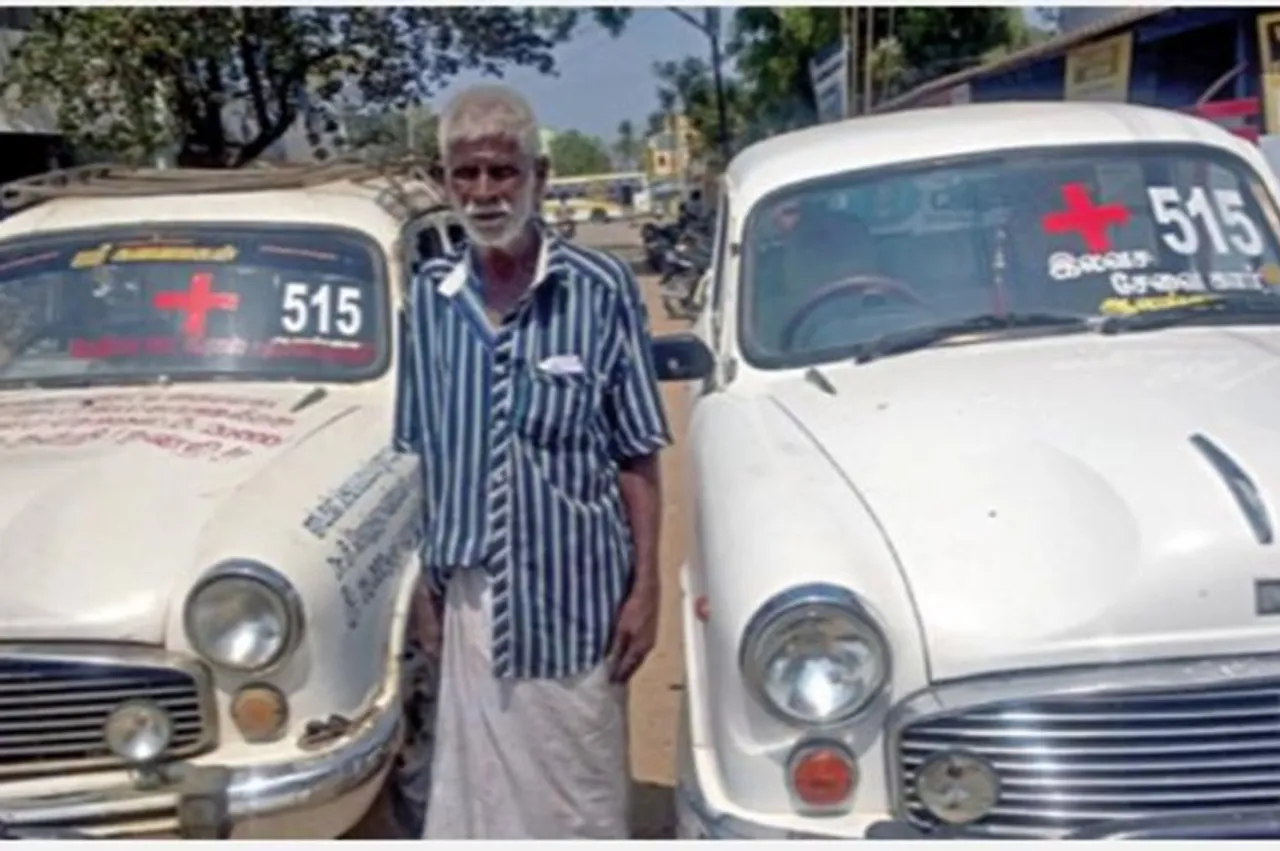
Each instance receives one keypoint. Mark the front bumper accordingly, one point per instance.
(1253, 823)
(318, 795)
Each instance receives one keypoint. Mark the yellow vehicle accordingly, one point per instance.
(597, 197)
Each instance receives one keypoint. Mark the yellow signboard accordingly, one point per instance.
(1099, 70)
(1269, 65)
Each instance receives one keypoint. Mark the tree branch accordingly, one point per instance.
(689, 19)
(249, 59)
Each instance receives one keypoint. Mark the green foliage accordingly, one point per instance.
(937, 40)
(394, 134)
(772, 48)
(688, 87)
(137, 79)
(574, 153)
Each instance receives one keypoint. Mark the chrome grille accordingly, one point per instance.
(1070, 761)
(53, 708)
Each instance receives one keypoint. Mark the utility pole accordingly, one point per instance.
(849, 32)
(710, 27)
(722, 112)
(868, 90)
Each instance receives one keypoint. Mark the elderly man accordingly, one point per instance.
(532, 400)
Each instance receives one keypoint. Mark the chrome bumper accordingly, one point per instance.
(694, 820)
(1257, 823)
(215, 802)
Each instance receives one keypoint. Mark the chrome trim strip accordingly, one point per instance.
(958, 696)
(1242, 488)
(1253, 823)
(130, 655)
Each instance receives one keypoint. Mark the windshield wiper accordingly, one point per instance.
(1262, 307)
(897, 342)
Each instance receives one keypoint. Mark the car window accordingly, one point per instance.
(201, 301)
(1087, 231)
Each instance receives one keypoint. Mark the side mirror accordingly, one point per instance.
(682, 357)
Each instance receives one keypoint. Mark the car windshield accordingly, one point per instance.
(831, 266)
(174, 303)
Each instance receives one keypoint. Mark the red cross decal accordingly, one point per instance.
(1085, 218)
(196, 303)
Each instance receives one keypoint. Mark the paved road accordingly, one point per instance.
(655, 691)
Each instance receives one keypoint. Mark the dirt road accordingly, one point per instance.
(655, 691)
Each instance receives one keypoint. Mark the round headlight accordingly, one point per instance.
(814, 656)
(244, 616)
(957, 788)
(138, 731)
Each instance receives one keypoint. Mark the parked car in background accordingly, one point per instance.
(209, 551)
(986, 483)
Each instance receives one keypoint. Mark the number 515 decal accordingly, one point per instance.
(321, 309)
(1224, 220)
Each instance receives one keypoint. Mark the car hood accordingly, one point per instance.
(1047, 500)
(106, 496)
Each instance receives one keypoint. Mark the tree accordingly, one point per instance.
(574, 153)
(627, 146)
(938, 41)
(690, 85)
(411, 131)
(773, 47)
(135, 79)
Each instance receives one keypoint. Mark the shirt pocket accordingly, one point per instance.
(555, 409)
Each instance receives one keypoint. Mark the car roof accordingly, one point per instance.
(924, 133)
(375, 205)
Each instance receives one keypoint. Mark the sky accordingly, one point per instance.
(604, 80)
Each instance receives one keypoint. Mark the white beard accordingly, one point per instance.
(517, 217)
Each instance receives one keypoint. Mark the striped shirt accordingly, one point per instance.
(521, 429)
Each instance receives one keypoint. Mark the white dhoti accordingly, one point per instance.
(521, 759)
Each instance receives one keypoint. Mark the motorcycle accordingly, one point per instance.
(682, 285)
(658, 239)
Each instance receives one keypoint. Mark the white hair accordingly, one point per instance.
(488, 112)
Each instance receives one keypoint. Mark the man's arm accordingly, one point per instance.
(639, 431)
(426, 612)
(640, 480)
(409, 434)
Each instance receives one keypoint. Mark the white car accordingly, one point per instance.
(986, 476)
(208, 550)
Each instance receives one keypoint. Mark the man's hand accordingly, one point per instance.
(426, 619)
(635, 632)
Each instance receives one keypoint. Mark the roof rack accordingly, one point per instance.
(409, 190)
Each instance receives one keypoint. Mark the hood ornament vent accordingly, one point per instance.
(1241, 486)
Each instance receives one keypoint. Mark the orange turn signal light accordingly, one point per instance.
(822, 775)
